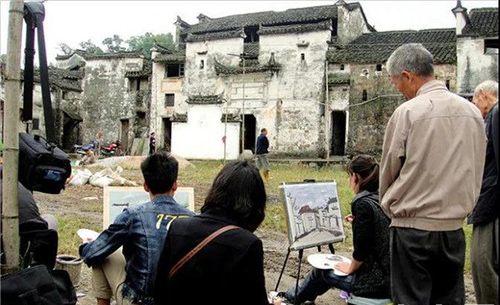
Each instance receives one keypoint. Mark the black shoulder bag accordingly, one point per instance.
(42, 166)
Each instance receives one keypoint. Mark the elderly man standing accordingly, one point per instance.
(484, 249)
(431, 169)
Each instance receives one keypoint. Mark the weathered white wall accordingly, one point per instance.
(473, 65)
(296, 93)
(351, 24)
(107, 99)
(201, 136)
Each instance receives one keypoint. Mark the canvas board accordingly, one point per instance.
(313, 212)
(117, 198)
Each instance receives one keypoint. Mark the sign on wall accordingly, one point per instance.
(313, 214)
(117, 198)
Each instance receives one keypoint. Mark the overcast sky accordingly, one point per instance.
(72, 21)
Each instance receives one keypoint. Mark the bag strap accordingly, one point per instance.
(196, 249)
(34, 13)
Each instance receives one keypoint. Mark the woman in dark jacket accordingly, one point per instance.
(369, 271)
(229, 269)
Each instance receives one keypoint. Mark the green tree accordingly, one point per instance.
(144, 43)
(114, 44)
(90, 47)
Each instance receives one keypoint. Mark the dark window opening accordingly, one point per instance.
(174, 70)
(365, 95)
(491, 46)
(132, 84)
(302, 56)
(448, 84)
(379, 67)
(334, 27)
(337, 145)
(169, 100)
(36, 124)
(65, 95)
(342, 67)
(202, 64)
(251, 34)
(141, 115)
(138, 85)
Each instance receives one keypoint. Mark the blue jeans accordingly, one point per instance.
(318, 282)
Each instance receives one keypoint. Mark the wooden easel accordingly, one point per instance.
(301, 255)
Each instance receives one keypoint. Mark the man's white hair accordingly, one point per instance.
(411, 57)
(490, 86)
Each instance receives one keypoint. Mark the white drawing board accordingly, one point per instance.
(313, 214)
(117, 198)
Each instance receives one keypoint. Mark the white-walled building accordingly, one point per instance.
(266, 69)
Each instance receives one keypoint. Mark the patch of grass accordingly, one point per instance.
(69, 242)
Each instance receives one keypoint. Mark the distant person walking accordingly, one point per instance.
(152, 143)
(262, 151)
(431, 170)
(484, 218)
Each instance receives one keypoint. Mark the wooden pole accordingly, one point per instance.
(10, 199)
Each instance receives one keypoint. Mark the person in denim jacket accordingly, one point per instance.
(129, 272)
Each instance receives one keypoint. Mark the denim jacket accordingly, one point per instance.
(141, 231)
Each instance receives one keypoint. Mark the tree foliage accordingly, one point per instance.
(90, 47)
(145, 42)
(114, 44)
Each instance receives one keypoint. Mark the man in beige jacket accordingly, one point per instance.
(431, 170)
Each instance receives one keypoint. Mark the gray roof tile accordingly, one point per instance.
(378, 46)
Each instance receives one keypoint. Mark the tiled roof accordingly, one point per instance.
(87, 56)
(61, 78)
(378, 46)
(339, 78)
(483, 22)
(230, 118)
(146, 71)
(179, 117)
(296, 28)
(269, 18)
(204, 99)
(253, 67)
(215, 35)
(177, 57)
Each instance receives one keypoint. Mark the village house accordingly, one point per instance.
(234, 75)
(477, 47)
(315, 77)
(116, 95)
(65, 93)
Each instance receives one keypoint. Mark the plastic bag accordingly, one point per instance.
(80, 177)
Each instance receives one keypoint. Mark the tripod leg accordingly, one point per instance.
(282, 270)
(330, 246)
(301, 253)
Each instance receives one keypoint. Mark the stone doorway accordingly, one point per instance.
(167, 134)
(249, 130)
(338, 133)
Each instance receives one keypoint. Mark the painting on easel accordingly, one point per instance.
(313, 213)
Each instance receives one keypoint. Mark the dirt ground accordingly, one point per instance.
(71, 202)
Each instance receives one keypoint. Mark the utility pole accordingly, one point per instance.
(242, 56)
(10, 198)
(243, 108)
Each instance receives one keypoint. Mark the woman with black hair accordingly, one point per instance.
(214, 257)
(369, 270)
